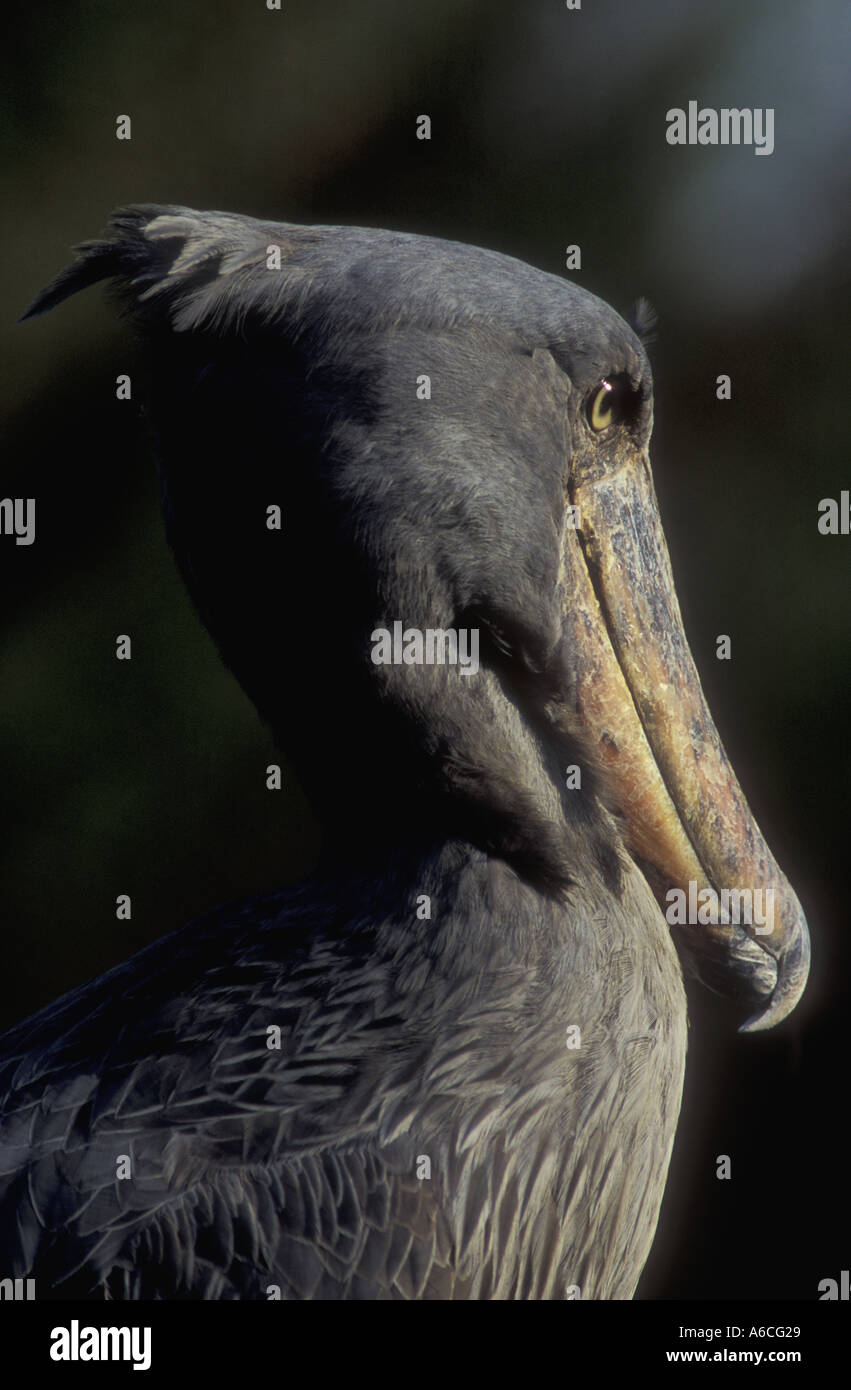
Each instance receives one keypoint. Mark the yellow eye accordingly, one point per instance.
(600, 409)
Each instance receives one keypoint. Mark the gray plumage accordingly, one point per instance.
(401, 1039)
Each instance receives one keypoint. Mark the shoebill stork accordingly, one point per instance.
(449, 1065)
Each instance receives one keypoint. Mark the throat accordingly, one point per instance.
(450, 906)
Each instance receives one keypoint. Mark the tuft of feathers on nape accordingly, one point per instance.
(123, 251)
(150, 250)
(194, 270)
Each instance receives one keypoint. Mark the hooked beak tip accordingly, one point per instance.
(793, 967)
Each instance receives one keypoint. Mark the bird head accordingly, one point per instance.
(457, 443)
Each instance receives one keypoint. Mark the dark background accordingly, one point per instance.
(548, 129)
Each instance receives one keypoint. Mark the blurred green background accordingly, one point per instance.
(548, 128)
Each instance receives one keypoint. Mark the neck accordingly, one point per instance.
(449, 901)
(539, 1028)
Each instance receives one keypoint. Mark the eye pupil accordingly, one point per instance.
(600, 411)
